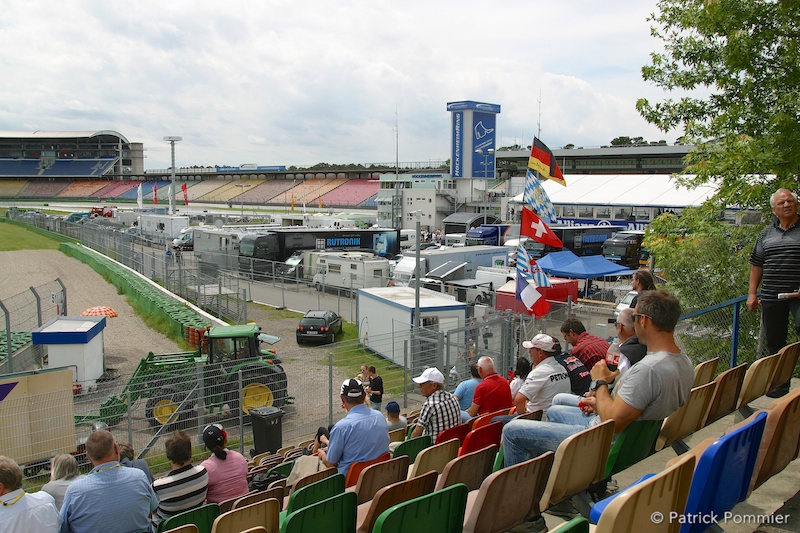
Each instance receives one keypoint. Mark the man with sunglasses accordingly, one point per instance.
(651, 390)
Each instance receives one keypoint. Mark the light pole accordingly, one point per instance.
(418, 275)
(485, 153)
(172, 139)
(243, 186)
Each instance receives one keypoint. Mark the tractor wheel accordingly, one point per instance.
(160, 408)
(260, 389)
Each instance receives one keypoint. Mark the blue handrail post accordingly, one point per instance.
(735, 333)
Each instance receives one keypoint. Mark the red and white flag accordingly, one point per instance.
(532, 226)
(155, 194)
(185, 195)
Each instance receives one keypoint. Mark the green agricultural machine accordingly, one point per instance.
(230, 358)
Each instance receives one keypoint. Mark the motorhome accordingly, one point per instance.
(624, 247)
(438, 262)
(347, 270)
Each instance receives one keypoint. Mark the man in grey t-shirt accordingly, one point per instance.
(651, 390)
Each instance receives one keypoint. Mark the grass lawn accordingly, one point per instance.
(14, 237)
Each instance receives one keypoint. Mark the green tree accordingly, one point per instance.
(743, 58)
(705, 263)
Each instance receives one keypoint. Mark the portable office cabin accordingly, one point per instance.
(386, 317)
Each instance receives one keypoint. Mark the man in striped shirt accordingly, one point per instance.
(775, 265)
(185, 486)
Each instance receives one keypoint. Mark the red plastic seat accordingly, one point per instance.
(481, 438)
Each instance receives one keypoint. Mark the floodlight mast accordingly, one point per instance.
(172, 139)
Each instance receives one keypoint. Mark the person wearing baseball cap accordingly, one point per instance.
(547, 378)
(360, 436)
(393, 418)
(227, 469)
(440, 410)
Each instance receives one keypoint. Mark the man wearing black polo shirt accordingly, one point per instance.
(775, 264)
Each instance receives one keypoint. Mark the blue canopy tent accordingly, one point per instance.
(566, 264)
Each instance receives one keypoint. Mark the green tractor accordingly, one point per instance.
(231, 357)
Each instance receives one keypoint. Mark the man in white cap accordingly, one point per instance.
(440, 410)
(547, 378)
(360, 436)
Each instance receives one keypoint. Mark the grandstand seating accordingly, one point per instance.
(204, 187)
(228, 191)
(147, 191)
(306, 191)
(352, 193)
(270, 191)
(43, 188)
(372, 202)
(77, 168)
(11, 188)
(84, 188)
(19, 167)
(326, 188)
(117, 188)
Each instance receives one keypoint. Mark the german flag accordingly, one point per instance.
(544, 162)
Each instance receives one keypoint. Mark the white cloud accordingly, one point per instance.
(282, 82)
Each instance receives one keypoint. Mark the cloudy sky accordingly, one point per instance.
(277, 82)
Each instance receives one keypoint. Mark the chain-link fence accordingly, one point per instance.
(21, 314)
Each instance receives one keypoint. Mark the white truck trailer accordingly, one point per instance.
(346, 270)
(440, 261)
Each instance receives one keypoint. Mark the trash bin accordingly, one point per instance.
(267, 429)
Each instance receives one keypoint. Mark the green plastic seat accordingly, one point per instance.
(499, 459)
(336, 514)
(283, 468)
(636, 442)
(577, 525)
(203, 517)
(314, 493)
(441, 511)
(412, 447)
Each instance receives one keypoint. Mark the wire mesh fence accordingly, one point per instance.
(21, 314)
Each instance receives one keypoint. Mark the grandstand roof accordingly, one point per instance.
(60, 134)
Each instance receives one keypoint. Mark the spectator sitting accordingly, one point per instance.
(63, 471)
(185, 486)
(493, 393)
(588, 348)
(579, 376)
(227, 469)
(521, 370)
(547, 378)
(465, 391)
(360, 436)
(24, 512)
(440, 410)
(630, 348)
(393, 419)
(109, 497)
(126, 458)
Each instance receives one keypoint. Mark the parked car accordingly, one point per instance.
(624, 302)
(320, 326)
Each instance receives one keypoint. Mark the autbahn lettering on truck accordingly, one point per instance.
(262, 254)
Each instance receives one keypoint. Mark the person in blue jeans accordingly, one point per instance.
(651, 390)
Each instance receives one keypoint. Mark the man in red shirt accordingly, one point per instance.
(588, 348)
(492, 393)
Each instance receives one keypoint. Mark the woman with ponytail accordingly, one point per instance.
(227, 469)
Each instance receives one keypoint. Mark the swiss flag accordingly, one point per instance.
(533, 227)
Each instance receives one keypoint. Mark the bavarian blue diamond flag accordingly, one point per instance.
(527, 293)
(536, 198)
